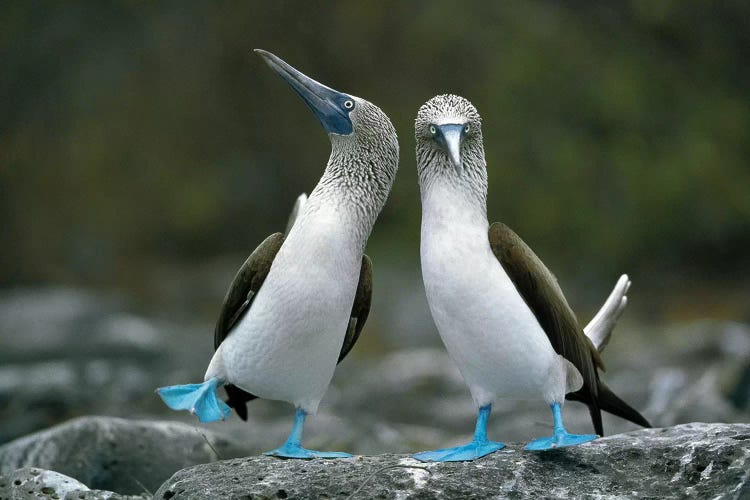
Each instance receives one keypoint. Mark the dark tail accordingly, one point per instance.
(584, 396)
(237, 399)
(596, 417)
(609, 402)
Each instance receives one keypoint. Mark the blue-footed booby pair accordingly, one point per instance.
(499, 310)
(298, 303)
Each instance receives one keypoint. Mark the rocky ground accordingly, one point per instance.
(687, 461)
(67, 353)
(684, 461)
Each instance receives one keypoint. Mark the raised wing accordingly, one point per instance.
(360, 308)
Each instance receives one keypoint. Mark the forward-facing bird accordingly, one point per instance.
(499, 310)
(298, 304)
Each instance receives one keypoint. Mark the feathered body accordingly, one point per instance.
(297, 306)
(499, 310)
(488, 329)
(287, 345)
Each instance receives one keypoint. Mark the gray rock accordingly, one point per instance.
(687, 461)
(31, 482)
(125, 456)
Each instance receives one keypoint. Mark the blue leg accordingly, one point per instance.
(199, 399)
(478, 448)
(561, 437)
(292, 448)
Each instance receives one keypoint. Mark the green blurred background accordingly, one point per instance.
(145, 149)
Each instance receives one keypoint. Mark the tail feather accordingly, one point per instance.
(584, 396)
(596, 418)
(237, 399)
(609, 402)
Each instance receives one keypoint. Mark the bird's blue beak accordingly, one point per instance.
(450, 138)
(330, 106)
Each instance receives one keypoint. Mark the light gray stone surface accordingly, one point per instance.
(686, 461)
(31, 482)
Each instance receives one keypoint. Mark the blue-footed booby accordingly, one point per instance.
(500, 312)
(298, 304)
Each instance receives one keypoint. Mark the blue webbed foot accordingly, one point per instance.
(478, 448)
(296, 451)
(199, 399)
(467, 452)
(559, 440)
(292, 448)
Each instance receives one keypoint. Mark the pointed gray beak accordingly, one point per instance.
(451, 137)
(327, 104)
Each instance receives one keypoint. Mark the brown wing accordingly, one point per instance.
(360, 308)
(541, 292)
(240, 295)
(245, 286)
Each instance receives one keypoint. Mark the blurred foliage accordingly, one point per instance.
(138, 133)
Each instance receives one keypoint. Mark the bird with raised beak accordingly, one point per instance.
(298, 304)
(500, 312)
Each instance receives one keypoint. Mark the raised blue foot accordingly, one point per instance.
(199, 399)
(292, 448)
(561, 438)
(467, 452)
(478, 448)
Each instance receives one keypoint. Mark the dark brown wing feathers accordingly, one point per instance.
(360, 308)
(541, 292)
(248, 279)
(239, 297)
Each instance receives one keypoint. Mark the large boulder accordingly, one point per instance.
(686, 461)
(125, 456)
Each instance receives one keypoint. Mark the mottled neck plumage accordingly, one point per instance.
(438, 178)
(360, 171)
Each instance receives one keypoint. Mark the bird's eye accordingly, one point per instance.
(467, 128)
(433, 130)
(348, 104)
